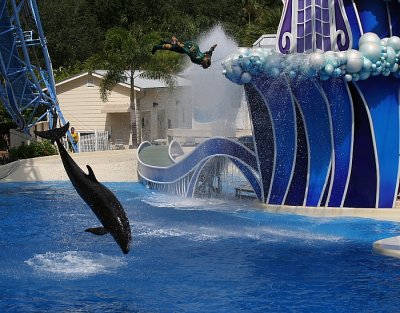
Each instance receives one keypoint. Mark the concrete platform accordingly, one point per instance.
(108, 166)
(389, 246)
(389, 214)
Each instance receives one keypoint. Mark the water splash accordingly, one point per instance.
(74, 264)
(214, 100)
(162, 200)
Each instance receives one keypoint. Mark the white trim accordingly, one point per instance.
(358, 17)
(274, 139)
(332, 162)
(255, 147)
(313, 31)
(308, 151)
(389, 18)
(348, 28)
(65, 81)
(71, 79)
(295, 10)
(286, 35)
(295, 141)
(193, 180)
(332, 21)
(351, 146)
(398, 163)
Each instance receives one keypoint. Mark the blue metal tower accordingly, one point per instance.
(27, 87)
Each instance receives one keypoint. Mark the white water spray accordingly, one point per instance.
(215, 101)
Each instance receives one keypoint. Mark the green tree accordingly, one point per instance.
(72, 30)
(266, 23)
(6, 123)
(126, 56)
(250, 8)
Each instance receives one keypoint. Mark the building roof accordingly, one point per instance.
(140, 83)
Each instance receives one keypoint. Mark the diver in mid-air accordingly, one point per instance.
(189, 48)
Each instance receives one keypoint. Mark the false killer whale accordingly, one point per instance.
(101, 200)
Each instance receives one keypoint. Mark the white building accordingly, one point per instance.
(81, 105)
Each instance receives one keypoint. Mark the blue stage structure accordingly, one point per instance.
(27, 87)
(324, 107)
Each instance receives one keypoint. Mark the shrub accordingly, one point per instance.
(34, 150)
(4, 159)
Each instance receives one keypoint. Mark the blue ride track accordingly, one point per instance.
(27, 87)
(181, 177)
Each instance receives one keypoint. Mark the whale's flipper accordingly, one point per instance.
(97, 230)
(53, 134)
(91, 174)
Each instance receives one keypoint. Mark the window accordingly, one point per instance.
(155, 104)
(90, 83)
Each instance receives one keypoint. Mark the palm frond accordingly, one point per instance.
(111, 79)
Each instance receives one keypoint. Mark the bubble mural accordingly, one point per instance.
(324, 106)
(374, 57)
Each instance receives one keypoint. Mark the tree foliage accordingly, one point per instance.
(76, 29)
(126, 55)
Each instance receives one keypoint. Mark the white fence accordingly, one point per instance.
(98, 141)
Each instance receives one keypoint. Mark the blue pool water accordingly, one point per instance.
(188, 255)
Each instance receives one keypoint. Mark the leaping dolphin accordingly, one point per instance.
(101, 200)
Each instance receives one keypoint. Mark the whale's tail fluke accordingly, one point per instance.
(53, 134)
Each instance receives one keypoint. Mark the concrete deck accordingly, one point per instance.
(108, 166)
(389, 246)
(390, 214)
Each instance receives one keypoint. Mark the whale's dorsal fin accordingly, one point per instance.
(91, 174)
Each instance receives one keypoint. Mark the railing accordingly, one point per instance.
(98, 141)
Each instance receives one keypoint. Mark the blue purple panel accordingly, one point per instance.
(342, 120)
(281, 109)
(317, 123)
(361, 192)
(352, 19)
(394, 9)
(297, 189)
(373, 16)
(381, 95)
(263, 135)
